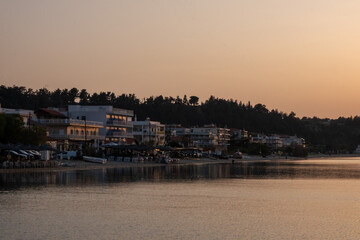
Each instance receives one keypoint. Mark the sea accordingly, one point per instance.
(270, 199)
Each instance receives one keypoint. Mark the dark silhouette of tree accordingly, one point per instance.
(194, 100)
(84, 97)
(12, 130)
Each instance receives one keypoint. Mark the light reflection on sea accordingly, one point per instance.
(302, 199)
(282, 169)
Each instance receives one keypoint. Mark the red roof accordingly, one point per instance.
(44, 112)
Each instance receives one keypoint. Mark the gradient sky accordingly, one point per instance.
(300, 56)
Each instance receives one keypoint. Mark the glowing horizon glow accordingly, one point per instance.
(299, 56)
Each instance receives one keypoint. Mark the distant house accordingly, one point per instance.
(258, 138)
(237, 134)
(208, 137)
(26, 115)
(292, 140)
(274, 141)
(149, 131)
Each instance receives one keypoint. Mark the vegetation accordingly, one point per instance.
(12, 130)
(322, 135)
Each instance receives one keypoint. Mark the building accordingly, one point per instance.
(237, 134)
(117, 123)
(258, 138)
(203, 137)
(208, 137)
(223, 137)
(26, 115)
(149, 132)
(292, 140)
(274, 141)
(65, 131)
(172, 129)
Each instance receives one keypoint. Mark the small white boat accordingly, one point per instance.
(95, 159)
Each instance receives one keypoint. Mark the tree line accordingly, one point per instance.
(322, 135)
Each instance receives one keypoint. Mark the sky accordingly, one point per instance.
(301, 56)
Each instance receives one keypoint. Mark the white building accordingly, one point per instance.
(238, 134)
(208, 136)
(203, 136)
(274, 141)
(292, 140)
(258, 138)
(65, 131)
(173, 130)
(26, 115)
(149, 131)
(118, 126)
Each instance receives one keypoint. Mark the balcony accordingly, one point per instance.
(119, 134)
(82, 137)
(78, 137)
(67, 121)
(118, 122)
(123, 112)
(146, 133)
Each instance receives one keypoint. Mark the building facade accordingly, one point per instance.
(292, 140)
(117, 123)
(26, 115)
(67, 131)
(208, 137)
(274, 141)
(149, 132)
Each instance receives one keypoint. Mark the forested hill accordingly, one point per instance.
(321, 134)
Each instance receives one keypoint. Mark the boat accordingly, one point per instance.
(95, 159)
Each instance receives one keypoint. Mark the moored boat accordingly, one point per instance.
(95, 159)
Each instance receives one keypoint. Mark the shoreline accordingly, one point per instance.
(79, 165)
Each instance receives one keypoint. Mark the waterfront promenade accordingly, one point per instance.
(67, 165)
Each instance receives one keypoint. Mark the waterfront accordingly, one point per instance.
(302, 199)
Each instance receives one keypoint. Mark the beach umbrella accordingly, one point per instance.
(110, 144)
(47, 147)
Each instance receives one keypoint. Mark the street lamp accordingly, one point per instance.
(84, 119)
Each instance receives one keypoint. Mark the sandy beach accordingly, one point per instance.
(69, 165)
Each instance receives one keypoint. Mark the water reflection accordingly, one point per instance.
(266, 169)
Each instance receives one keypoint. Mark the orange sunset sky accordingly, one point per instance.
(300, 56)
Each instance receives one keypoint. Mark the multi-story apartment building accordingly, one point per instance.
(208, 136)
(238, 134)
(258, 138)
(149, 132)
(274, 141)
(278, 141)
(175, 130)
(65, 130)
(117, 123)
(292, 140)
(203, 137)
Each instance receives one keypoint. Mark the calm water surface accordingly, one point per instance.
(309, 199)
